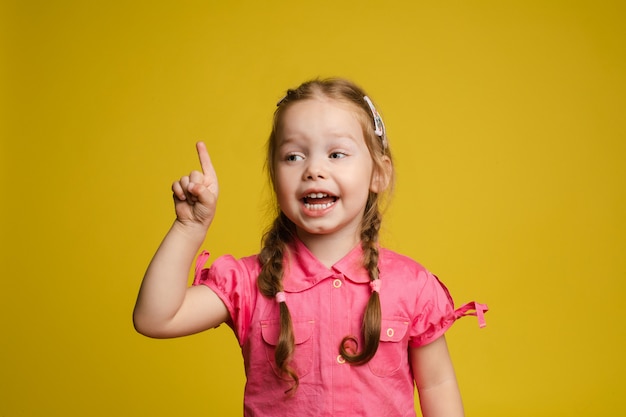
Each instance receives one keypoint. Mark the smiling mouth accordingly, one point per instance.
(318, 201)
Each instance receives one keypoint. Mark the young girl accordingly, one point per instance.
(329, 322)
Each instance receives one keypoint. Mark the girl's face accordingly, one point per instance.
(323, 168)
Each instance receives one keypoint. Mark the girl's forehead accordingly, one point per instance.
(320, 112)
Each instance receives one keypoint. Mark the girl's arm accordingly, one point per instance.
(436, 381)
(166, 307)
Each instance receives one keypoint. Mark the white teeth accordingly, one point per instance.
(318, 206)
(317, 195)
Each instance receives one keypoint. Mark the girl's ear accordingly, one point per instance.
(381, 176)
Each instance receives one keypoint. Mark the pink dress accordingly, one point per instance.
(327, 304)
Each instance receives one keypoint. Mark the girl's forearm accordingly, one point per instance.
(436, 380)
(443, 400)
(164, 285)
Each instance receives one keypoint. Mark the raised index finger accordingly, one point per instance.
(205, 160)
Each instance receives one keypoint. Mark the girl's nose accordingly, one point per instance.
(314, 170)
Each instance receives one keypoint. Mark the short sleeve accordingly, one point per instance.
(234, 282)
(434, 311)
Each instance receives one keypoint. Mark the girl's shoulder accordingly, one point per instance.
(226, 267)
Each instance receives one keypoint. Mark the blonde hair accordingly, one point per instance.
(283, 230)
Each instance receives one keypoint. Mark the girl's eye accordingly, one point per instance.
(293, 157)
(337, 155)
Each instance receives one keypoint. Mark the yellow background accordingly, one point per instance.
(507, 123)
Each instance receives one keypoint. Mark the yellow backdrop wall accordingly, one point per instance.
(506, 119)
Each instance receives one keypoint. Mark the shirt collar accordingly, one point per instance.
(303, 270)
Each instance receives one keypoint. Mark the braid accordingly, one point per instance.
(270, 282)
(372, 316)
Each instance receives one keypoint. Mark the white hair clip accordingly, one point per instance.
(379, 126)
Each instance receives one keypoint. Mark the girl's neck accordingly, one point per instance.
(329, 248)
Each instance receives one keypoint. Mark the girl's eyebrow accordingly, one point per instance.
(286, 141)
(342, 133)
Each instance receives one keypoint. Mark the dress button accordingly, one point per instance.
(340, 359)
(337, 283)
(390, 332)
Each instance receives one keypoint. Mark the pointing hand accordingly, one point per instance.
(195, 195)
